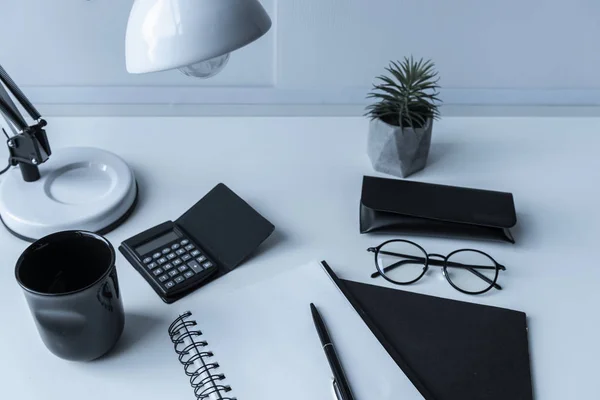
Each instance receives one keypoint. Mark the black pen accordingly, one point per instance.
(340, 383)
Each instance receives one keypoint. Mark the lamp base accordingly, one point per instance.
(80, 188)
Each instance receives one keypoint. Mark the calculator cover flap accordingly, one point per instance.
(225, 226)
(401, 206)
(451, 350)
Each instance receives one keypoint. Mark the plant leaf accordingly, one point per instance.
(407, 95)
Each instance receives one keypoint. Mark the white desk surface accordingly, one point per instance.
(304, 174)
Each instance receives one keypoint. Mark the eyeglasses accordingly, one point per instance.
(403, 262)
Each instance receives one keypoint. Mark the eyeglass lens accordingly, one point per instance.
(471, 271)
(401, 262)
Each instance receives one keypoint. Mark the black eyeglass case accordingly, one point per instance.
(407, 207)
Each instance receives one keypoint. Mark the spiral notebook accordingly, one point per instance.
(260, 343)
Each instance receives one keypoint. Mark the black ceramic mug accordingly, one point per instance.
(71, 286)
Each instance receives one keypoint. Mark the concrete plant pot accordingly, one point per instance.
(397, 151)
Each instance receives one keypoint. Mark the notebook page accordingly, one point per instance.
(265, 341)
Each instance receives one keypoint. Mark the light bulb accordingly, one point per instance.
(207, 68)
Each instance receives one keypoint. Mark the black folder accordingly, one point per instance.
(450, 350)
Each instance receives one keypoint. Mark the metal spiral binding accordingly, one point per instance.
(196, 361)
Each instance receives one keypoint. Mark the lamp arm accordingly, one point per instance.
(19, 95)
(10, 111)
(30, 146)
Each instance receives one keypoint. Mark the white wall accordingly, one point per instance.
(509, 52)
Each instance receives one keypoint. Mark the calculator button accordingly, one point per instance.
(169, 285)
(184, 242)
(173, 272)
(189, 247)
(179, 279)
(152, 265)
(167, 267)
(157, 271)
(166, 251)
(163, 278)
(180, 252)
(195, 253)
(171, 256)
(147, 260)
(195, 266)
(186, 257)
(161, 260)
(156, 255)
(207, 264)
(201, 259)
(175, 246)
(183, 268)
(177, 262)
(188, 274)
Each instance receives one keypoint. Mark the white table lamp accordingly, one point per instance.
(194, 36)
(76, 189)
(92, 189)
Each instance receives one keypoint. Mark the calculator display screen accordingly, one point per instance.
(156, 243)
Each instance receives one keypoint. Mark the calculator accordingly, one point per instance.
(170, 261)
(208, 241)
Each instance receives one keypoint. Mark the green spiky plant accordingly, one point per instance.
(408, 96)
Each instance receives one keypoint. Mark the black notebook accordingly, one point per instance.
(450, 350)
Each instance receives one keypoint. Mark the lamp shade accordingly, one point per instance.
(168, 34)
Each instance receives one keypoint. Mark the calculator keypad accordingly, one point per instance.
(195, 266)
(176, 263)
(188, 274)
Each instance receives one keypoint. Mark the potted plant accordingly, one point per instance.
(402, 118)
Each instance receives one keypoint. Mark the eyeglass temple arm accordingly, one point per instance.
(439, 263)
